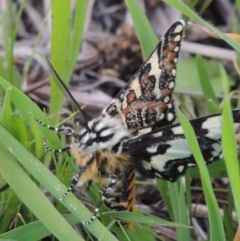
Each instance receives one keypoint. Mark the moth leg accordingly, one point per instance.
(62, 130)
(106, 192)
(75, 179)
(95, 213)
(64, 149)
(89, 184)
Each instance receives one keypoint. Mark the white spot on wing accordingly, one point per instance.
(177, 38)
(161, 116)
(191, 165)
(176, 49)
(155, 71)
(158, 134)
(136, 87)
(171, 85)
(217, 149)
(173, 72)
(170, 116)
(177, 130)
(152, 149)
(144, 131)
(213, 125)
(179, 28)
(180, 168)
(166, 99)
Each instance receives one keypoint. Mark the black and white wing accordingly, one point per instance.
(165, 153)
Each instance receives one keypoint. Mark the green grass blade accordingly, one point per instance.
(191, 14)
(6, 110)
(227, 220)
(179, 210)
(208, 92)
(77, 32)
(35, 128)
(65, 42)
(19, 130)
(25, 105)
(30, 195)
(33, 231)
(139, 218)
(216, 225)
(10, 210)
(229, 147)
(162, 186)
(60, 42)
(144, 31)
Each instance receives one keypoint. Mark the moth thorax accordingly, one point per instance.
(105, 133)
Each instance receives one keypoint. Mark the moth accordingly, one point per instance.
(136, 132)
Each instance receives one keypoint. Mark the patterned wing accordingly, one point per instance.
(146, 100)
(165, 153)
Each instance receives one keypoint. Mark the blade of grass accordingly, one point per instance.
(32, 196)
(24, 105)
(18, 124)
(33, 231)
(227, 220)
(163, 188)
(144, 31)
(35, 128)
(191, 14)
(60, 42)
(215, 220)
(141, 232)
(139, 218)
(208, 92)
(179, 209)
(77, 32)
(12, 205)
(7, 110)
(10, 22)
(230, 147)
(64, 53)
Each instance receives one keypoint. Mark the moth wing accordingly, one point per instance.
(146, 99)
(165, 153)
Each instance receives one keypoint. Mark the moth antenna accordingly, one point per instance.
(82, 117)
(4, 187)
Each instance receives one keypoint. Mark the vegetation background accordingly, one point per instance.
(114, 36)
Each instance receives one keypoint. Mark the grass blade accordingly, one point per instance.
(145, 34)
(229, 147)
(191, 14)
(30, 195)
(209, 95)
(216, 225)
